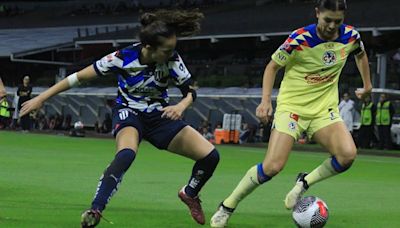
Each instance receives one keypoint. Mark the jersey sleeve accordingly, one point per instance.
(109, 64)
(358, 45)
(285, 52)
(178, 71)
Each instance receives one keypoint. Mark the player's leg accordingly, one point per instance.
(337, 139)
(286, 129)
(126, 129)
(339, 142)
(127, 144)
(189, 143)
(280, 145)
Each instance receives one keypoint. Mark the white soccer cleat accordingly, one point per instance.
(221, 217)
(297, 191)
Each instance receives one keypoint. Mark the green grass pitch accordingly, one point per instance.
(47, 181)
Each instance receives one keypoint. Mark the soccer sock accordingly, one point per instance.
(254, 177)
(111, 178)
(201, 172)
(330, 167)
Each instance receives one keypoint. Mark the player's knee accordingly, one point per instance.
(342, 164)
(125, 157)
(347, 156)
(212, 158)
(274, 168)
(261, 175)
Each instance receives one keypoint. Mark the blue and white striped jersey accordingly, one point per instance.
(142, 87)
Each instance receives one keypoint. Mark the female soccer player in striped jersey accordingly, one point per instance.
(313, 58)
(142, 109)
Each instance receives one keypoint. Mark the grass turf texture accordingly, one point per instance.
(47, 181)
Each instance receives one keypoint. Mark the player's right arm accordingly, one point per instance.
(279, 59)
(264, 110)
(109, 64)
(86, 74)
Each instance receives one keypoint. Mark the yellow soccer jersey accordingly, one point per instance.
(312, 69)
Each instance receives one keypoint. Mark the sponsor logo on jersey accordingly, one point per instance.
(318, 79)
(329, 45)
(281, 57)
(294, 116)
(329, 58)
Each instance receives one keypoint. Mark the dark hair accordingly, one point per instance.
(166, 23)
(334, 5)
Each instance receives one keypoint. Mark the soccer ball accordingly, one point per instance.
(310, 212)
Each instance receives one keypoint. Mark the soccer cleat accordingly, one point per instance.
(221, 217)
(194, 206)
(297, 191)
(90, 218)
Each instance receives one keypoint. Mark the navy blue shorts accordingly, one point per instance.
(158, 131)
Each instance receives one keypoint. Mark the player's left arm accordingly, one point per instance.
(363, 67)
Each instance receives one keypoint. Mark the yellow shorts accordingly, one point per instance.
(294, 125)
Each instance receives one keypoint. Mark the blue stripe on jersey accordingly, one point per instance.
(135, 79)
(129, 55)
(164, 94)
(121, 83)
(173, 73)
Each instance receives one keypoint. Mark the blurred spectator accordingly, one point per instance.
(52, 122)
(24, 92)
(366, 133)
(78, 130)
(15, 115)
(106, 126)
(59, 120)
(244, 133)
(4, 107)
(396, 59)
(346, 107)
(207, 134)
(67, 123)
(384, 114)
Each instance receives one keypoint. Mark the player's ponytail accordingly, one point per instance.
(165, 23)
(334, 5)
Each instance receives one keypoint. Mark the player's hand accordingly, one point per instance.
(362, 93)
(28, 106)
(173, 112)
(264, 111)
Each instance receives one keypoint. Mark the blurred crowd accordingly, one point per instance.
(372, 124)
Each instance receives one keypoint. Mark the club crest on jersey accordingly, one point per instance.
(329, 58)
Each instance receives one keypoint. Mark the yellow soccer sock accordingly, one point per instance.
(248, 183)
(322, 172)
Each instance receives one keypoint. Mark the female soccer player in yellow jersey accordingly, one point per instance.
(313, 58)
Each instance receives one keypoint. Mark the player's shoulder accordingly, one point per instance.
(131, 52)
(300, 37)
(348, 34)
(303, 31)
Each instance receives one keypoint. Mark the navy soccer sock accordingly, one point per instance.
(201, 172)
(111, 178)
